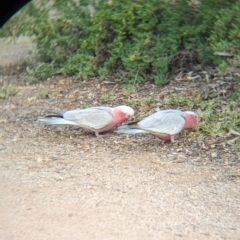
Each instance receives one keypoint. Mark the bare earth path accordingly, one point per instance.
(60, 183)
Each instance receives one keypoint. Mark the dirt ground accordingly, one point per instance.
(58, 182)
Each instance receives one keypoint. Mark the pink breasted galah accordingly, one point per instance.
(165, 124)
(94, 119)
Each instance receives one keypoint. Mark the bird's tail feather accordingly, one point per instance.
(54, 112)
(126, 129)
(54, 120)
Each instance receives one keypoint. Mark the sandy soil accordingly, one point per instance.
(61, 183)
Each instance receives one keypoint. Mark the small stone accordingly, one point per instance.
(214, 155)
(54, 158)
(215, 177)
(39, 159)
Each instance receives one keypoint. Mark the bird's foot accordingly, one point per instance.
(97, 134)
(174, 141)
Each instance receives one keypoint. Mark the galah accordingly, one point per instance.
(165, 124)
(94, 119)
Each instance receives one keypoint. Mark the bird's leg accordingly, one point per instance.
(100, 135)
(97, 134)
(173, 140)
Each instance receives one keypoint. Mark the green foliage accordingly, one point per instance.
(130, 102)
(41, 71)
(226, 35)
(135, 40)
(235, 96)
(18, 24)
(45, 93)
(106, 98)
(80, 65)
(148, 101)
(7, 90)
(218, 118)
(183, 101)
(130, 88)
(215, 117)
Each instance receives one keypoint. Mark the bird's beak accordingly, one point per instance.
(130, 117)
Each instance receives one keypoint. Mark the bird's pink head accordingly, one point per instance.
(124, 112)
(190, 119)
(121, 114)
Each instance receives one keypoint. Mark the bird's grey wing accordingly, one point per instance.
(173, 111)
(93, 118)
(168, 122)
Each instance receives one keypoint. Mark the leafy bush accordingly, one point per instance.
(80, 65)
(226, 36)
(135, 40)
(8, 90)
(215, 117)
(41, 71)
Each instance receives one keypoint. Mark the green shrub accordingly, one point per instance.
(8, 90)
(135, 40)
(225, 36)
(41, 71)
(80, 65)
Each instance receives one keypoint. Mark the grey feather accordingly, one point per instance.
(125, 129)
(54, 120)
(165, 121)
(94, 118)
(55, 112)
(90, 118)
(162, 122)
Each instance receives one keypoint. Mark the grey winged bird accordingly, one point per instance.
(94, 119)
(165, 124)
